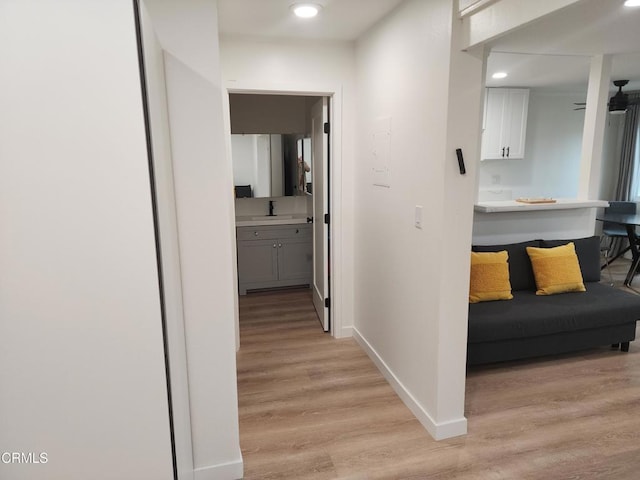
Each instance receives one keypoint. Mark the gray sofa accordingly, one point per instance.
(530, 325)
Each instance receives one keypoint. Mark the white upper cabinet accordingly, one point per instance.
(505, 123)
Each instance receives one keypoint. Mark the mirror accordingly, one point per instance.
(271, 165)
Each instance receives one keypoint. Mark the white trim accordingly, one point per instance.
(439, 431)
(223, 471)
(334, 92)
(346, 332)
(475, 7)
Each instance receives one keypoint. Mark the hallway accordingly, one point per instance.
(312, 407)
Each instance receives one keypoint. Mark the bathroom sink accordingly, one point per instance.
(273, 217)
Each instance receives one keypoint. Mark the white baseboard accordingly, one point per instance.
(439, 431)
(345, 332)
(223, 471)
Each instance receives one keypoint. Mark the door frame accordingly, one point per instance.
(334, 95)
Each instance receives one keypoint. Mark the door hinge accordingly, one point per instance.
(327, 128)
(326, 218)
(327, 303)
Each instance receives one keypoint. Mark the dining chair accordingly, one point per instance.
(616, 230)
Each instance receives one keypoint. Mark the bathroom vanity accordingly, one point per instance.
(274, 252)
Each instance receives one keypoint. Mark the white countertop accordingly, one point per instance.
(284, 219)
(513, 206)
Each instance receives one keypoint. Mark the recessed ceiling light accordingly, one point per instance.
(499, 75)
(305, 10)
(632, 3)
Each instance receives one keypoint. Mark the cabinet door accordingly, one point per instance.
(257, 261)
(516, 121)
(493, 137)
(295, 259)
(505, 123)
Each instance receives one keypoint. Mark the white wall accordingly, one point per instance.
(169, 244)
(203, 182)
(83, 374)
(551, 167)
(411, 307)
(310, 67)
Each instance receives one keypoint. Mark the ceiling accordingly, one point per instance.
(342, 20)
(552, 52)
(555, 51)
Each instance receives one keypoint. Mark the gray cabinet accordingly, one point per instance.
(274, 256)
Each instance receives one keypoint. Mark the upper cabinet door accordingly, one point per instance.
(505, 123)
(493, 136)
(516, 111)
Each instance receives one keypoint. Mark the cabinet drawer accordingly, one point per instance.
(273, 232)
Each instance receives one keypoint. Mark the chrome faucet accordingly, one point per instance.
(271, 205)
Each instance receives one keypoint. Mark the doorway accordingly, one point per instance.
(280, 152)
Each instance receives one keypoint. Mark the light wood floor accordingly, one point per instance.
(312, 407)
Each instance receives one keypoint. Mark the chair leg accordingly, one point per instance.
(621, 253)
(632, 271)
(605, 252)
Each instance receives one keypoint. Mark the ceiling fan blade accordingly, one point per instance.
(579, 103)
(580, 108)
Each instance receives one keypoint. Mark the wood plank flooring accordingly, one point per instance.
(312, 407)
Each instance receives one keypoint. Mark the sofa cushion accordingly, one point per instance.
(520, 272)
(588, 251)
(556, 269)
(489, 277)
(529, 315)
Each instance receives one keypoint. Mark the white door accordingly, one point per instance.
(320, 183)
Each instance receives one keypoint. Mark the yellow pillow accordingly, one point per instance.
(556, 269)
(489, 277)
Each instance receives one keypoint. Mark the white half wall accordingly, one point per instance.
(510, 227)
(409, 306)
(83, 377)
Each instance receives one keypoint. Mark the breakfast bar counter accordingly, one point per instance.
(509, 221)
(497, 206)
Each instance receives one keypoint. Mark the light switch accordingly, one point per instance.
(419, 216)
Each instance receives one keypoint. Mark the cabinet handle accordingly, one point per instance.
(279, 245)
(255, 233)
(508, 151)
(503, 151)
(297, 230)
(274, 245)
